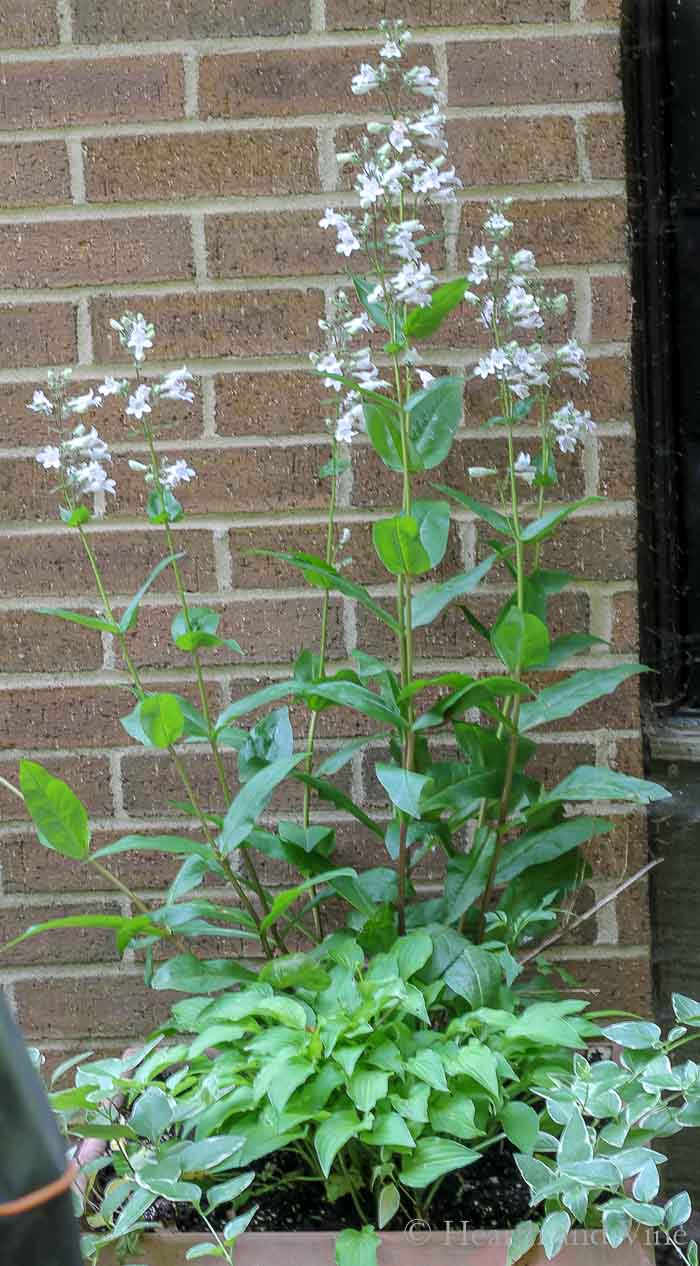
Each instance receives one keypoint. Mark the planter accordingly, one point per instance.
(437, 1248)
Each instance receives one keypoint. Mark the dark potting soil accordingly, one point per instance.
(489, 1194)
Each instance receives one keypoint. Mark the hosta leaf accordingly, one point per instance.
(333, 1134)
(357, 1248)
(434, 1157)
(555, 1229)
(521, 1124)
(521, 1241)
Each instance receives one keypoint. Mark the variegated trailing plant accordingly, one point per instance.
(457, 776)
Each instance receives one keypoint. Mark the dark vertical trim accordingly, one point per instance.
(659, 467)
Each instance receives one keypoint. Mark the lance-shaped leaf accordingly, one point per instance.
(403, 787)
(566, 697)
(597, 782)
(543, 527)
(328, 791)
(129, 616)
(112, 922)
(434, 414)
(198, 628)
(76, 617)
(318, 573)
(430, 601)
(288, 898)
(467, 874)
(421, 322)
(537, 847)
(270, 740)
(247, 806)
(348, 694)
(250, 703)
(60, 819)
(495, 520)
(520, 640)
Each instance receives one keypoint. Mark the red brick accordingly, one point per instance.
(280, 403)
(629, 758)
(101, 22)
(612, 309)
(26, 490)
(150, 782)
(633, 915)
(263, 323)
(617, 467)
(34, 174)
(626, 849)
(269, 631)
(608, 395)
(274, 244)
(89, 1007)
(34, 643)
(37, 334)
(54, 564)
(348, 15)
(106, 90)
(602, 549)
(513, 151)
(74, 945)
(234, 479)
(625, 628)
(373, 485)
(23, 428)
(521, 72)
(218, 165)
(605, 145)
(284, 82)
(622, 983)
(28, 26)
(27, 867)
(87, 252)
(602, 10)
(89, 777)
(559, 230)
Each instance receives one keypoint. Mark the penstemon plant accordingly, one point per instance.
(456, 778)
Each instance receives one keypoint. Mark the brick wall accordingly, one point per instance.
(176, 159)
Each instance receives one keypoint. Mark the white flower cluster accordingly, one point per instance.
(81, 461)
(510, 298)
(136, 334)
(341, 361)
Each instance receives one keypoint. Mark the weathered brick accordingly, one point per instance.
(373, 485)
(28, 26)
(87, 251)
(219, 165)
(25, 490)
(28, 867)
(265, 404)
(629, 757)
(558, 230)
(34, 174)
(89, 1007)
(106, 90)
(521, 72)
(605, 145)
(262, 323)
(98, 21)
(633, 915)
(89, 776)
(617, 467)
(269, 631)
(608, 395)
(348, 15)
(285, 82)
(54, 564)
(273, 244)
(626, 849)
(625, 626)
(34, 643)
(601, 550)
(622, 983)
(513, 151)
(602, 10)
(37, 334)
(612, 309)
(74, 945)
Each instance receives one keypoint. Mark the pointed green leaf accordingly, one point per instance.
(357, 1248)
(430, 601)
(251, 800)
(521, 1241)
(60, 819)
(566, 697)
(129, 616)
(597, 782)
(434, 1157)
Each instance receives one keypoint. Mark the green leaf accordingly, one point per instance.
(76, 517)
(541, 528)
(555, 1229)
(497, 521)
(348, 694)
(357, 1248)
(60, 819)
(520, 640)
(259, 699)
(646, 1184)
(377, 311)
(428, 1067)
(421, 322)
(403, 787)
(434, 415)
(522, 1239)
(152, 1114)
(128, 619)
(686, 1010)
(383, 426)
(566, 697)
(430, 601)
(333, 1134)
(568, 644)
(636, 1035)
(574, 1144)
(677, 1210)
(453, 1113)
(286, 899)
(597, 782)
(327, 791)
(204, 1250)
(75, 617)
(225, 1192)
(155, 844)
(434, 1157)
(477, 1061)
(616, 1226)
(388, 1204)
(115, 921)
(647, 1214)
(475, 976)
(333, 764)
(161, 720)
(163, 506)
(294, 971)
(410, 544)
(466, 879)
(538, 847)
(189, 974)
(318, 572)
(522, 1125)
(412, 953)
(270, 740)
(247, 806)
(366, 1087)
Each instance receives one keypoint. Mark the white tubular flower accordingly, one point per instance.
(524, 468)
(430, 127)
(367, 79)
(112, 386)
(49, 457)
(479, 260)
(425, 377)
(351, 417)
(87, 444)
(391, 50)
(522, 308)
(481, 472)
(439, 184)
(177, 472)
(571, 425)
(174, 385)
(527, 369)
(493, 365)
(91, 478)
(357, 324)
(365, 371)
(488, 308)
(81, 404)
(523, 262)
(420, 79)
(138, 404)
(400, 240)
(571, 358)
(40, 403)
(329, 364)
(398, 136)
(370, 186)
(413, 284)
(347, 241)
(140, 337)
(344, 537)
(498, 225)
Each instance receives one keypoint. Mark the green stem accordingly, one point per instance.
(353, 1190)
(406, 653)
